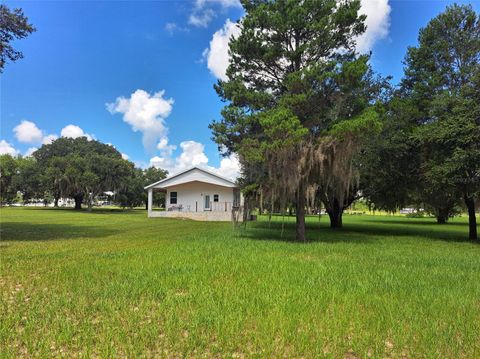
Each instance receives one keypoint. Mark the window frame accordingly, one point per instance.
(174, 199)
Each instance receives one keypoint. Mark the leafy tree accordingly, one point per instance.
(152, 175)
(293, 76)
(8, 171)
(13, 25)
(133, 193)
(442, 77)
(391, 166)
(28, 179)
(82, 169)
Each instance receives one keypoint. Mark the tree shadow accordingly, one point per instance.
(22, 231)
(364, 232)
(417, 221)
(315, 233)
(85, 210)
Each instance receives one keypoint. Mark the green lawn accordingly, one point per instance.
(112, 283)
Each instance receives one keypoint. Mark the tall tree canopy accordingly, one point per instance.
(442, 79)
(298, 99)
(13, 25)
(82, 169)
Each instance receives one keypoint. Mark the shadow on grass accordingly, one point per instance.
(85, 210)
(419, 222)
(364, 232)
(21, 231)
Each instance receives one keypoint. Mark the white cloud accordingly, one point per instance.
(29, 152)
(145, 113)
(49, 139)
(74, 131)
(28, 132)
(229, 167)
(7, 149)
(125, 156)
(165, 163)
(193, 154)
(377, 22)
(165, 148)
(217, 54)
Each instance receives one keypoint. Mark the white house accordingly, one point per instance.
(197, 194)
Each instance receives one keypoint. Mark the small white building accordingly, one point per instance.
(197, 194)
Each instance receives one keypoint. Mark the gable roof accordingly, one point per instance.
(189, 175)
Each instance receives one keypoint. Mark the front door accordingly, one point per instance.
(207, 203)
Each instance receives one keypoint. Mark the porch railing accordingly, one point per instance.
(199, 207)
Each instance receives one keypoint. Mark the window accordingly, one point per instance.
(173, 197)
(215, 198)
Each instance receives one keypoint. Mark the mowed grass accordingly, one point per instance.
(113, 283)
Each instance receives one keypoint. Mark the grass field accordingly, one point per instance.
(113, 283)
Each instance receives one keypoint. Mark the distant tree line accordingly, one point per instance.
(79, 169)
(313, 125)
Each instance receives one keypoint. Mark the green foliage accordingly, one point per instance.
(288, 85)
(428, 152)
(82, 168)
(133, 194)
(13, 25)
(8, 170)
(363, 125)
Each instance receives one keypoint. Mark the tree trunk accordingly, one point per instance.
(78, 201)
(441, 219)
(472, 220)
(335, 213)
(55, 202)
(300, 216)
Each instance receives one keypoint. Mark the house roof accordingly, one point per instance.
(188, 175)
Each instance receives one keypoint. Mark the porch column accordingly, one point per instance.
(150, 201)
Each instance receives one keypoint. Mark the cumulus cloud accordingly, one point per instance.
(165, 148)
(73, 131)
(377, 22)
(125, 156)
(216, 55)
(28, 132)
(193, 154)
(29, 152)
(145, 113)
(229, 167)
(7, 149)
(48, 139)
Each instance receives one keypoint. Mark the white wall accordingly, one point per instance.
(189, 194)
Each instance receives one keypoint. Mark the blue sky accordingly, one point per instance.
(140, 74)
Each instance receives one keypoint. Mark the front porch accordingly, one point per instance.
(199, 210)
